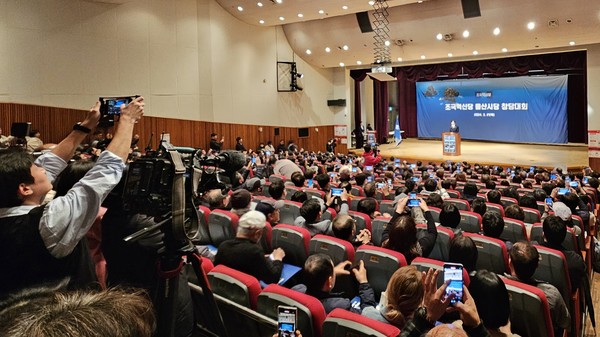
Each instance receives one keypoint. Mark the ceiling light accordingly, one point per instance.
(399, 59)
(281, 18)
(420, 1)
(358, 62)
(450, 55)
(321, 11)
(475, 52)
(327, 49)
(342, 64)
(387, 43)
(344, 7)
(439, 36)
(572, 43)
(371, 3)
(423, 57)
(240, 8)
(345, 47)
(308, 51)
(531, 25)
(466, 34)
(300, 15)
(278, 1)
(261, 21)
(259, 4)
(504, 50)
(496, 31)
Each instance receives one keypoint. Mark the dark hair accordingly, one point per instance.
(493, 224)
(403, 237)
(525, 259)
(299, 196)
(539, 195)
(238, 138)
(434, 200)
(15, 169)
(367, 206)
(470, 190)
(478, 206)
(322, 179)
(514, 212)
(554, 229)
(276, 189)
(463, 250)
(360, 179)
(490, 184)
(71, 175)
(528, 201)
(369, 189)
(491, 298)
(317, 269)
(367, 148)
(298, 179)
(571, 200)
(310, 210)
(450, 215)
(342, 227)
(511, 192)
(430, 185)
(494, 197)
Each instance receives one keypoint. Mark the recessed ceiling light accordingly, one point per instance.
(278, 1)
(240, 8)
(450, 55)
(572, 43)
(342, 64)
(321, 11)
(439, 36)
(475, 52)
(344, 7)
(399, 59)
(345, 47)
(308, 51)
(423, 57)
(466, 34)
(261, 21)
(420, 1)
(281, 18)
(504, 50)
(259, 4)
(327, 49)
(358, 62)
(300, 15)
(496, 31)
(371, 3)
(531, 25)
(387, 43)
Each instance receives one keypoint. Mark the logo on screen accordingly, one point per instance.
(483, 94)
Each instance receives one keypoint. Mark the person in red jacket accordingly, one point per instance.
(370, 158)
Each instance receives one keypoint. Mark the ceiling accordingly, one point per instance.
(415, 24)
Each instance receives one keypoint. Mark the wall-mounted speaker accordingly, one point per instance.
(363, 22)
(336, 102)
(470, 8)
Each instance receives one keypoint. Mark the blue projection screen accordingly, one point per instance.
(518, 109)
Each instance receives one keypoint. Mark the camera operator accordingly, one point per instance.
(46, 242)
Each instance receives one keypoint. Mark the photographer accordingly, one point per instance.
(44, 242)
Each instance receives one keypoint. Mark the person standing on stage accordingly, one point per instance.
(454, 127)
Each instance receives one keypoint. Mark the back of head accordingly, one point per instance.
(571, 200)
(403, 236)
(555, 230)
(367, 148)
(360, 179)
(367, 206)
(446, 330)
(343, 226)
(251, 221)
(494, 196)
(511, 192)
(276, 189)
(463, 251)
(240, 199)
(470, 190)
(539, 194)
(524, 258)
(434, 200)
(317, 269)
(299, 196)
(430, 185)
(450, 215)
(215, 198)
(405, 294)
(323, 180)
(478, 206)
(298, 179)
(528, 201)
(514, 212)
(369, 189)
(491, 298)
(493, 224)
(15, 169)
(310, 210)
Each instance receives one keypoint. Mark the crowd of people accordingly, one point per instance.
(53, 240)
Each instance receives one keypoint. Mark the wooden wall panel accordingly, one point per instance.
(55, 123)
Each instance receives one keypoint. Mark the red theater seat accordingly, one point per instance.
(222, 225)
(343, 323)
(234, 285)
(339, 250)
(294, 241)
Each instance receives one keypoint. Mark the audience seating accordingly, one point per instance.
(435, 213)
(553, 269)
(387, 206)
(276, 177)
(203, 236)
(339, 250)
(343, 323)
(289, 212)
(541, 206)
(313, 192)
(265, 189)
(329, 214)
(506, 201)
(294, 241)
(495, 208)
(531, 215)
(311, 314)
(423, 264)
(442, 243)
(354, 202)
(470, 222)
(514, 230)
(529, 310)
(537, 235)
(378, 225)
(492, 253)
(380, 263)
(362, 221)
(267, 238)
(222, 225)
(357, 191)
(454, 194)
(461, 204)
(290, 190)
(234, 285)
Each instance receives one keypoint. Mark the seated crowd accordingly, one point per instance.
(435, 211)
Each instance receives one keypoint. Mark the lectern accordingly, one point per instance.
(451, 143)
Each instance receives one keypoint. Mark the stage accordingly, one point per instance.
(573, 156)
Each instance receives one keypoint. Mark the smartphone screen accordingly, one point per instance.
(336, 192)
(253, 160)
(370, 179)
(354, 169)
(585, 180)
(454, 273)
(563, 191)
(390, 182)
(380, 185)
(553, 176)
(286, 321)
(310, 183)
(369, 168)
(415, 179)
(413, 203)
(549, 202)
(574, 184)
(267, 153)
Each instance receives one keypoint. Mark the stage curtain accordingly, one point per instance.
(381, 110)
(572, 63)
(358, 76)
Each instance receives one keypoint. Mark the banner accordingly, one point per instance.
(518, 109)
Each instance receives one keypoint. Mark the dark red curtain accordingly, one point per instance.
(572, 63)
(381, 106)
(358, 76)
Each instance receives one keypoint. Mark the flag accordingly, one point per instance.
(397, 133)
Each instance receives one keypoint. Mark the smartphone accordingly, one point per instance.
(336, 192)
(549, 202)
(454, 273)
(413, 166)
(413, 203)
(370, 179)
(286, 321)
(310, 183)
(380, 185)
(253, 160)
(396, 160)
(354, 169)
(585, 180)
(267, 153)
(390, 182)
(415, 179)
(563, 191)
(508, 169)
(574, 184)
(431, 175)
(531, 169)
(552, 176)
(369, 168)
(112, 105)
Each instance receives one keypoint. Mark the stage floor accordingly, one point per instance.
(574, 156)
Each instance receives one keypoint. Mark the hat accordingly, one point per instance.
(253, 183)
(562, 211)
(240, 199)
(252, 220)
(267, 207)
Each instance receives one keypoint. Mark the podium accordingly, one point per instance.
(451, 143)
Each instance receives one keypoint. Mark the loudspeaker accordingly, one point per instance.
(470, 8)
(336, 102)
(276, 131)
(20, 130)
(363, 22)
